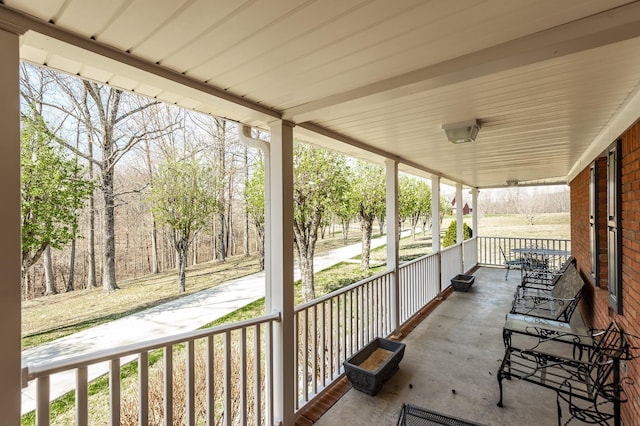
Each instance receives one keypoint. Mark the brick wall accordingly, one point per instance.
(580, 246)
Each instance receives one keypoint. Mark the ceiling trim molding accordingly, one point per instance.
(612, 26)
(12, 27)
(19, 20)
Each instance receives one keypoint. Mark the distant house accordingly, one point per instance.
(465, 208)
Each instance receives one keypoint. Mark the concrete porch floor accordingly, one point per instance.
(450, 366)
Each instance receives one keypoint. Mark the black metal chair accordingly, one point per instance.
(511, 263)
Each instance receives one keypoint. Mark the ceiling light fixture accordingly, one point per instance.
(463, 132)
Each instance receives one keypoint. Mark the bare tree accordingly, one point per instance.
(154, 229)
(108, 116)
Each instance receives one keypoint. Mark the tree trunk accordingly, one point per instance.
(109, 264)
(229, 237)
(305, 243)
(72, 255)
(260, 238)
(194, 251)
(308, 283)
(246, 234)
(367, 229)
(49, 278)
(163, 255)
(222, 252)
(414, 224)
(25, 283)
(91, 239)
(427, 223)
(183, 249)
(154, 231)
(154, 249)
(72, 266)
(221, 130)
(345, 232)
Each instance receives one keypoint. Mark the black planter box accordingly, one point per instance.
(370, 381)
(462, 282)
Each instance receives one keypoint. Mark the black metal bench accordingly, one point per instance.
(557, 304)
(412, 415)
(538, 314)
(522, 331)
(545, 279)
(588, 387)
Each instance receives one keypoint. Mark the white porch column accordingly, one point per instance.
(474, 211)
(435, 213)
(10, 363)
(281, 246)
(459, 218)
(393, 240)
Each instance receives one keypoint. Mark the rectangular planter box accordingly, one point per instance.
(462, 282)
(369, 380)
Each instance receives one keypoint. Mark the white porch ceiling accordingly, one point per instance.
(551, 82)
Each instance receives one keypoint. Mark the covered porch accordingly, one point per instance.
(450, 366)
(549, 86)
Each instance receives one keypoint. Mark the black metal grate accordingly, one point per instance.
(412, 415)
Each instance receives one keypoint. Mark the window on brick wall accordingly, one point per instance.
(614, 231)
(593, 223)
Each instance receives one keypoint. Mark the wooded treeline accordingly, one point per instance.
(526, 201)
(151, 187)
(115, 186)
(120, 141)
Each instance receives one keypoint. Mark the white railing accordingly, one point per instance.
(470, 254)
(450, 264)
(227, 373)
(224, 378)
(419, 284)
(330, 329)
(489, 247)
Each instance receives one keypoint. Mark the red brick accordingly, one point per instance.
(580, 245)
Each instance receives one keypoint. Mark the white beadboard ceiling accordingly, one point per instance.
(551, 82)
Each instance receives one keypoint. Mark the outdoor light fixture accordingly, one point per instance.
(463, 132)
(512, 182)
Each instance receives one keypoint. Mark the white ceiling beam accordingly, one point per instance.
(612, 26)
